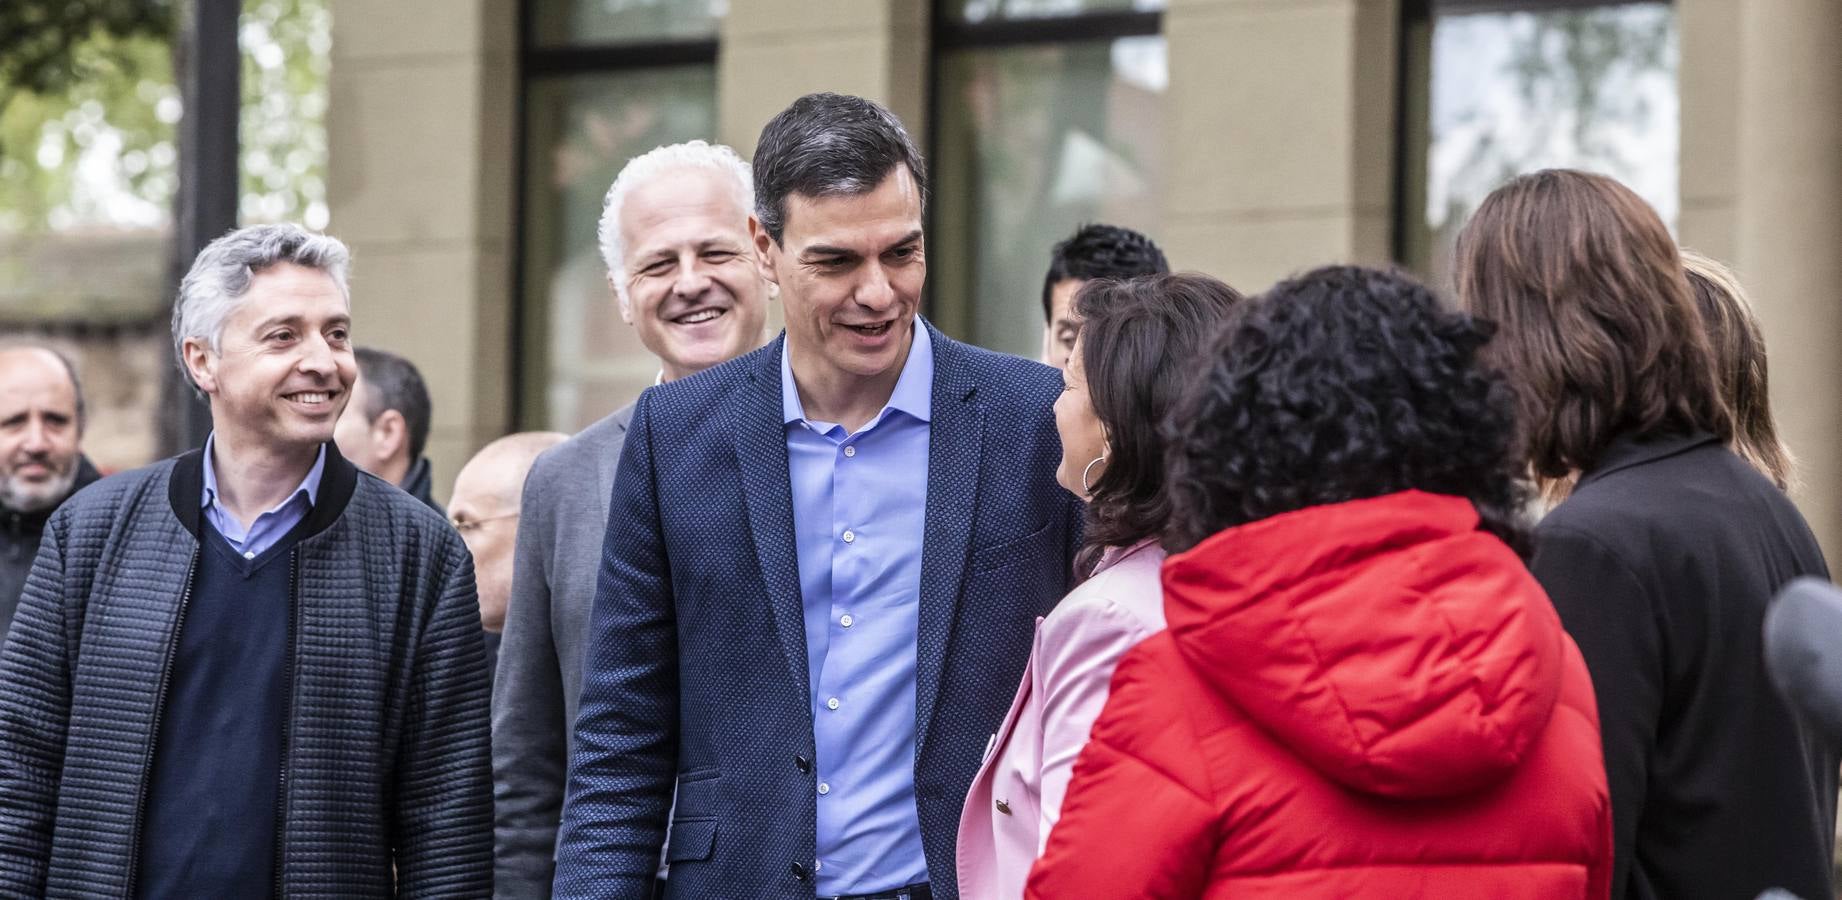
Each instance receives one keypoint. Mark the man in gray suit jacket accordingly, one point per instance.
(674, 234)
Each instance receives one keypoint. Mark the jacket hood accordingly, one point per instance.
(1387, 642)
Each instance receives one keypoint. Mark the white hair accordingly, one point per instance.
(222, 273)
(650, 165)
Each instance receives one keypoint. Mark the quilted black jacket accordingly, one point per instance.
(387, 756)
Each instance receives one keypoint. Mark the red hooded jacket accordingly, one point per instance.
(1366, 699)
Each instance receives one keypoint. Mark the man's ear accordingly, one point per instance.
(390, 435)
(765, 251)
(621, 301)
(200, 363)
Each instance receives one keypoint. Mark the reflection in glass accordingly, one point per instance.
(580, 361)
(1591, 89)
(1033, 142)
(988, 10)
(563, 22)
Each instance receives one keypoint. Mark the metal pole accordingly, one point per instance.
(208, 62)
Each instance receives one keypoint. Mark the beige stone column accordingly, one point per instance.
(421, 129)
(1788, 227)
(1281, 130)
(1708, 82)
(774, 51)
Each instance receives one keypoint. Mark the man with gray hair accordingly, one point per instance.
(674, 235)
(251, 670)
(41, 424)
(823, 564)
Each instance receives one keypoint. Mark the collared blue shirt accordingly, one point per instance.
(859, 507)
(270, 526)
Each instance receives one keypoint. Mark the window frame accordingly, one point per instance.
(1413, 106)
(534, 63)
(948, 36)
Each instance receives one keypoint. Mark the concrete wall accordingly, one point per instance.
(1280, 135)
(1280, 124)
(1762, 189)
(422, 133)
(774, 51)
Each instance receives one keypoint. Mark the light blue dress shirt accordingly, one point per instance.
(859, 507)
(270, 526)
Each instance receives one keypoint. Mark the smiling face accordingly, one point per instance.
(850, 270)
(284, 368)
(692, 290)
(38, 430)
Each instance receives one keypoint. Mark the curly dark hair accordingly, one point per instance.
(1340, 384)
(1139, 340)
(1101, 251)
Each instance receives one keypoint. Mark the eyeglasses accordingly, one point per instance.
(466, 525)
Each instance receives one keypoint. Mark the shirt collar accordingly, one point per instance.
(309, 485)
(914, 388)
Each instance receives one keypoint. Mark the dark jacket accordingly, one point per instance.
(696, 666)
(19, 536)
(386, 776)
(1362, 699)
(563, 517)
(419, 482)
(1661, 564)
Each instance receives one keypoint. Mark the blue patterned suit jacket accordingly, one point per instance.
(696, 670)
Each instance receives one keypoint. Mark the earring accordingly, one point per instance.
(1085, 489)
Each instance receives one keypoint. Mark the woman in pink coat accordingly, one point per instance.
(1125, 372)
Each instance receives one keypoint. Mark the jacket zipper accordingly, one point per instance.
(166, 678)
(287, 711)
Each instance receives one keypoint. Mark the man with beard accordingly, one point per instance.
(41, 424)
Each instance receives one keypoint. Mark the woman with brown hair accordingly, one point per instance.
(1361, 693)
(1662, 559)
(1739, 366)
(1137, 341)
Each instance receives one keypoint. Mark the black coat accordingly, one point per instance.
(386, 781)
(19, 536)
(1661, 565)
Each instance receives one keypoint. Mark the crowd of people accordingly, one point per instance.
(1337, 589)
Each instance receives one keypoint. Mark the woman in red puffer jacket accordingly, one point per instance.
(1362, 692)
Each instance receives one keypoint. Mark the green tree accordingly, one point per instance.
(89, 105)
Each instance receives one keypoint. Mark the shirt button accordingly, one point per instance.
(832, 703)
(849, 535)
(846, 620)
(249, 554)
(850, 452)
(824, 788)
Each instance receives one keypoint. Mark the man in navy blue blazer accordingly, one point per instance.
(823, 565)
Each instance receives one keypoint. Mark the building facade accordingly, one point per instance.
(471, 142)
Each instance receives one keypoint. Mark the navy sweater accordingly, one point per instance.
(211, 801)
(389, 779)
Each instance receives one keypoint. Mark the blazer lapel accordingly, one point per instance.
(761, 455)
(955, 438)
